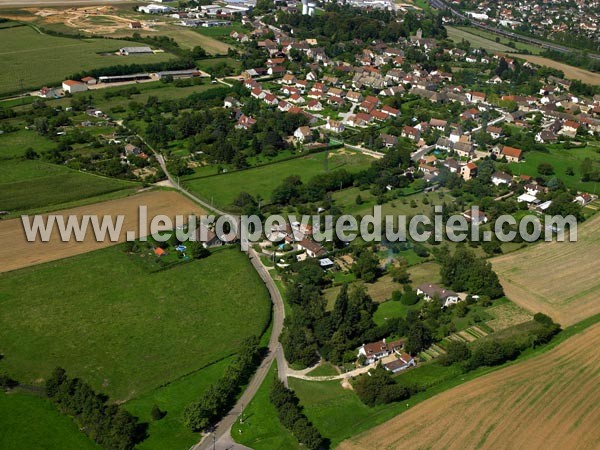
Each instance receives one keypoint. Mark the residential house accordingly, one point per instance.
(245, 122)
(499, 178)
(495, 132)
(570, 128)
(468, 171)
(303, 134)
(411, 133)
(388, 140)
(463, 149)
(392, 112)
(374, 351)
(312, 248)
(337, 126)
(430, 291)
(511, 154)
(403, 362)
(314, 105)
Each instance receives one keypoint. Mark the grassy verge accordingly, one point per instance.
(261, 429)
(28, 421)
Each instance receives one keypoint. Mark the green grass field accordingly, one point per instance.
(31, 186)
(346, 201)
(561, 159)
(479, 38)
(170, 432)
(103, 317)
(262, 429)
(207, 64)
(392, 310)
(222, 190)
(28, 421)
(189, 38)
(38, 59)
(156, 89)
(14, 144)
(218, 32)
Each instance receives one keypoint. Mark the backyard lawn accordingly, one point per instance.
(561, 159)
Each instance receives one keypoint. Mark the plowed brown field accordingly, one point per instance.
(16, 252)
(557, 278)
(547, 402)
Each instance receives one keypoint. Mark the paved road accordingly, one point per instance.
(221, 437)
(174, 183)
(223, 430)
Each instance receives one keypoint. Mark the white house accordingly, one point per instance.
(403, 362)
(377, 350)
(72, 86)
(337, 126)
(303, 134)
(499, 178)
(429, 291)
(312, 248)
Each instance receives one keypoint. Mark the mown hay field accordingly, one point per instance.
(557, 278)
(16, 252)
(550, 401)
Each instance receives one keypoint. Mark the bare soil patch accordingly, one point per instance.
(557, 278)
(549, 402)
(16, 252)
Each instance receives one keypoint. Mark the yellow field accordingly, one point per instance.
(16, 252)
(557, 278)
(571, 72)
(548, 402)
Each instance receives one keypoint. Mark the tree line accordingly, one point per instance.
(220, 396)
(109, 425)
(291, 416)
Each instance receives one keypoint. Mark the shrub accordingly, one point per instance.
(156, 413)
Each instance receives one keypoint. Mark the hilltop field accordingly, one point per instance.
(550, 401)
(557, 278)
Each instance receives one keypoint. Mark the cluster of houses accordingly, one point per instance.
(391, 354)
(551, 16)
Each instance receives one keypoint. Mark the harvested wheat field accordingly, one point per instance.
(16, 252)
(573, 73)
(559, 279)
(550, 402)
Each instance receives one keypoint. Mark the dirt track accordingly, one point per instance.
(548, 402)
(558, 279)
(16, 252)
